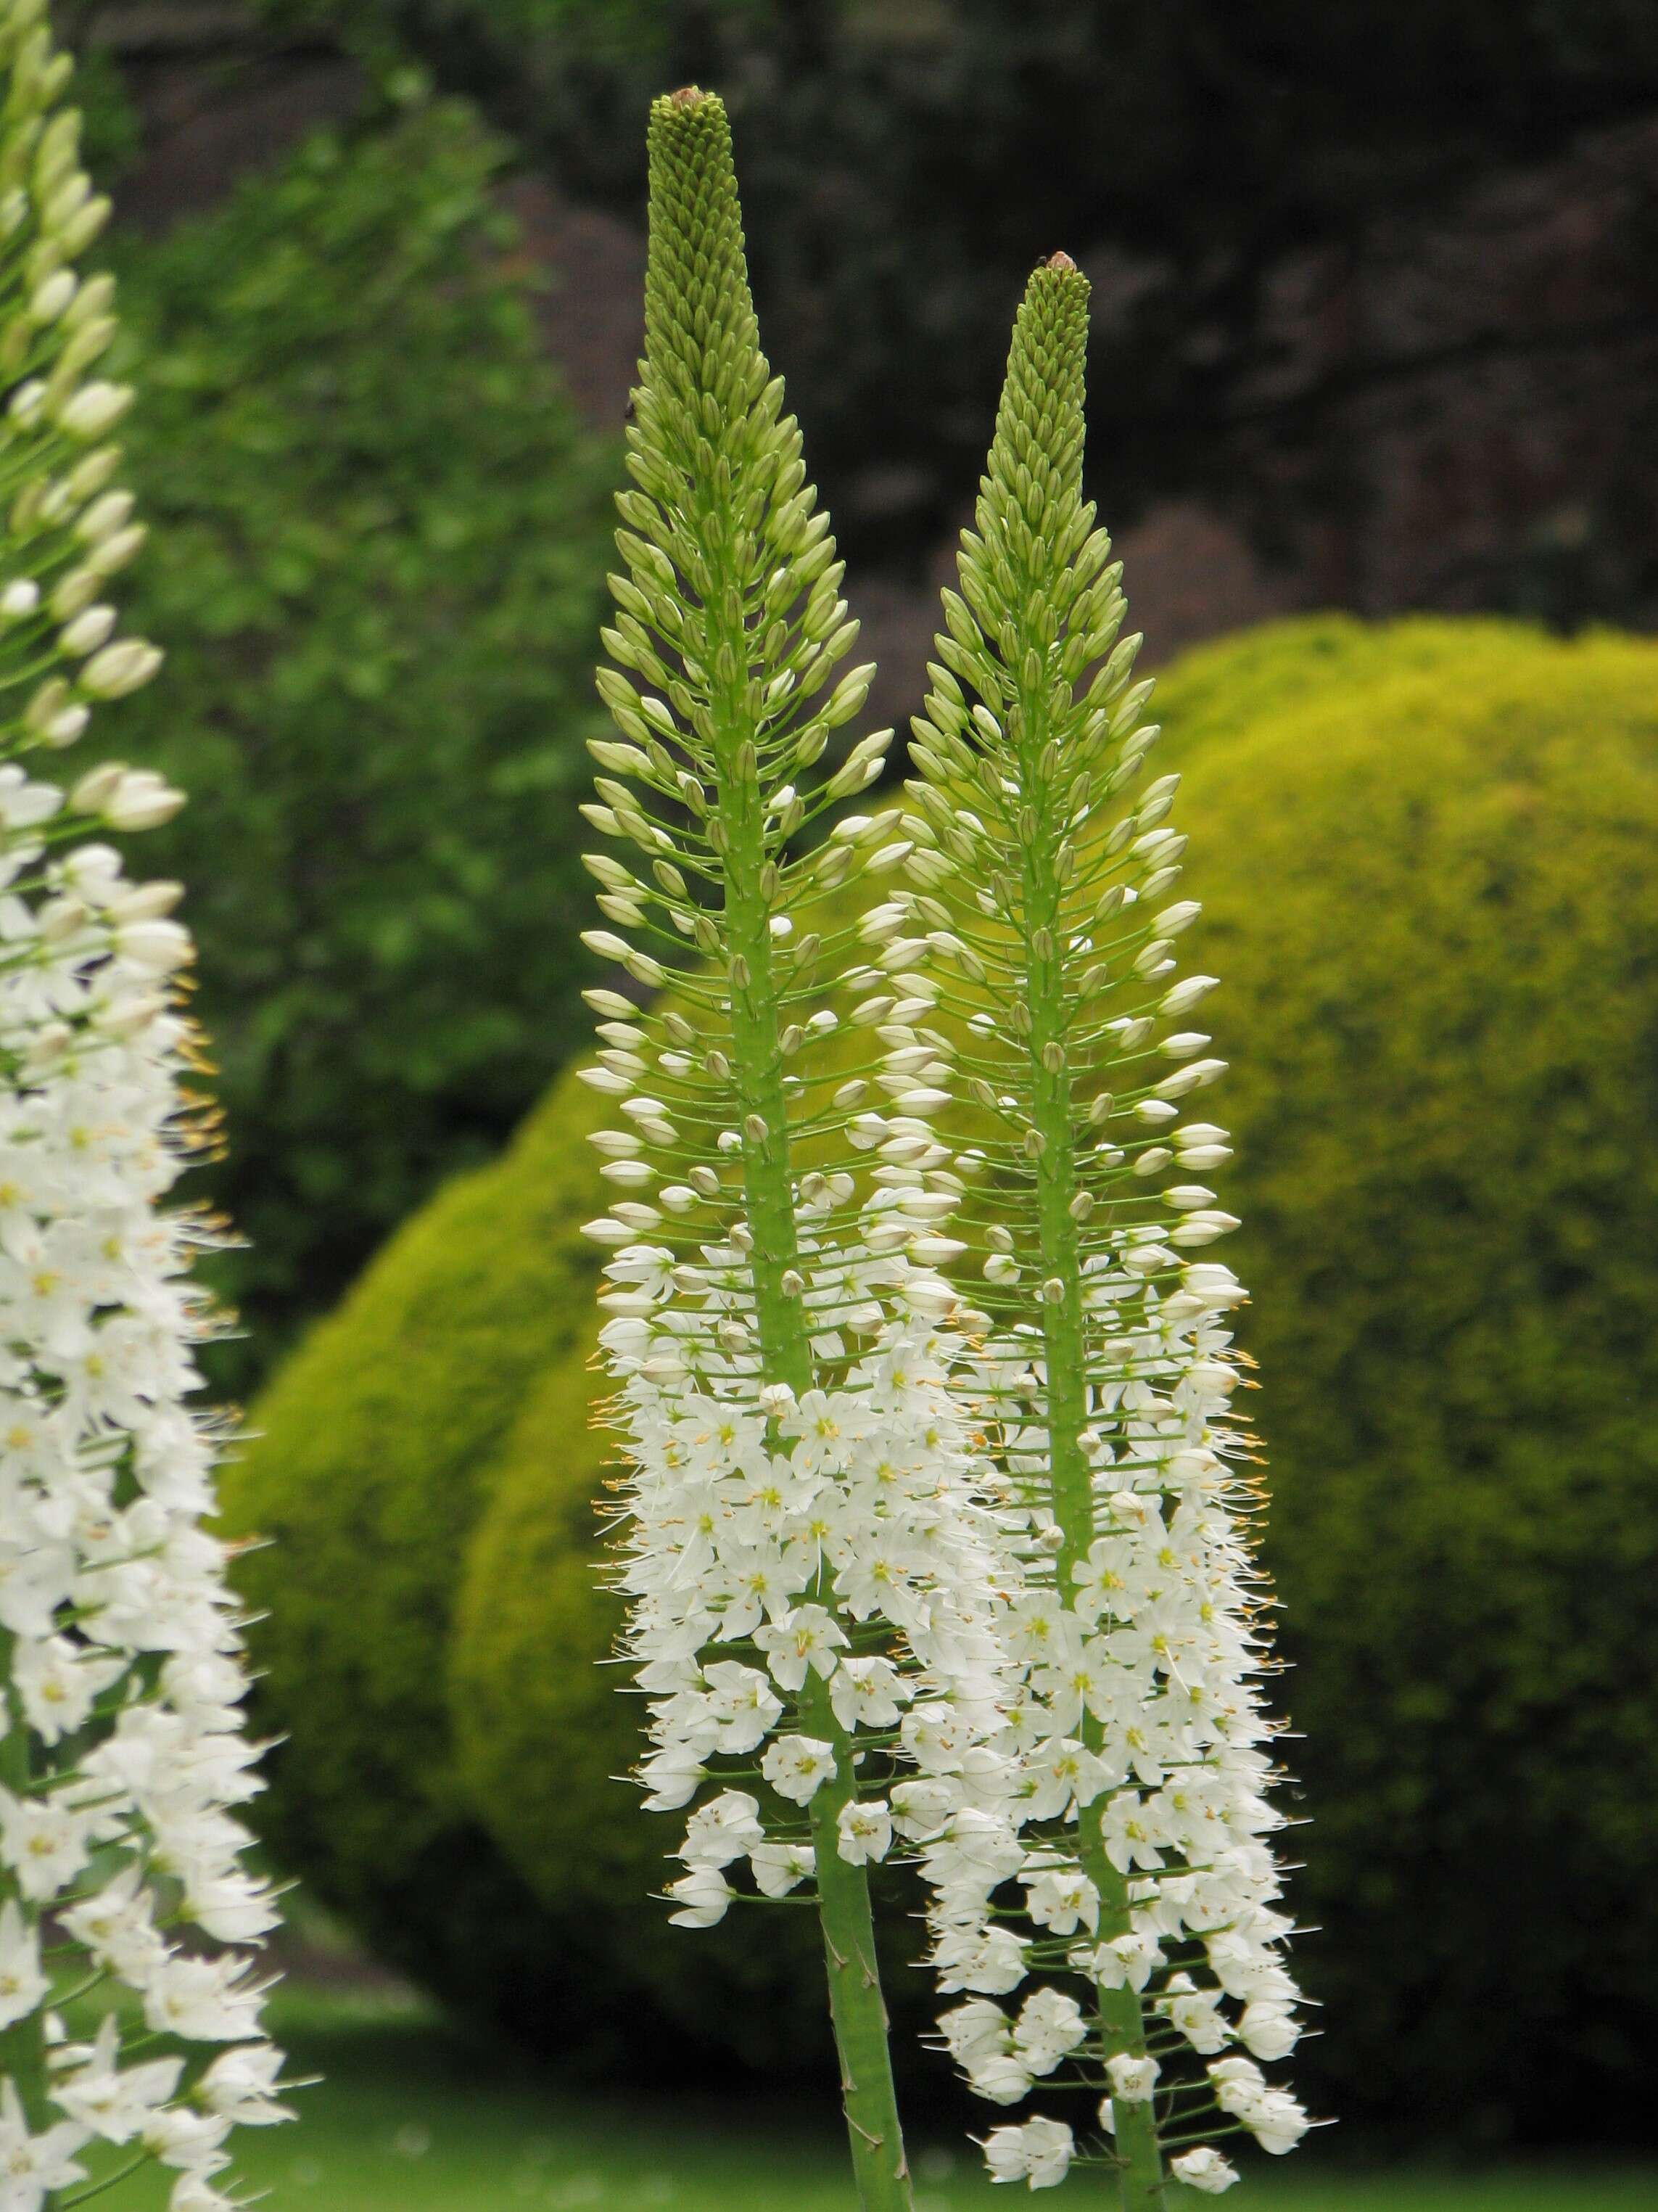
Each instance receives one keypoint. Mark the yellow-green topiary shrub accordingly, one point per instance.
(1426, 853)
(369, 1462)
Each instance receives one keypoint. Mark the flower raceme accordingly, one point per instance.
(800, 1535)
(904, 1573)
(1108, 1847)
(122, 1759)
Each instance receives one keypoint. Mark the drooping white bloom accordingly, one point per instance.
(1203, 2168)
(124, 1762)
(1039, 2153)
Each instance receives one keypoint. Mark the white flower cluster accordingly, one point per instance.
(123, 1756)
(1127, 1692)
(1138, 1701)
(776, 1544)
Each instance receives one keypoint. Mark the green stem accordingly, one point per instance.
(857, 2010)
(1065, 1344)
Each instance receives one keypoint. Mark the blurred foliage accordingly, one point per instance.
(1424, 852)
(904, 161)
(377, 561)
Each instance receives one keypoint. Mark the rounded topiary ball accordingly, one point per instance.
(1425, 851)
(367, 1465)
(1432, 893)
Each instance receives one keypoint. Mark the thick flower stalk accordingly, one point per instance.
(809, 1569)
(1111, 1854)
(129, 2011)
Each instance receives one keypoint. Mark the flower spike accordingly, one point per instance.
(809, 1569)
(124, 1761)
(1122, 1870)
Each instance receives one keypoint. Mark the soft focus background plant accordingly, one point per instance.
(378, 555)
(1231, 178)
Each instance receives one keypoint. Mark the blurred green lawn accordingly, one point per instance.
(411, 2120)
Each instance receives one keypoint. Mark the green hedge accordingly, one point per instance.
(377, 564)
(1426, 856)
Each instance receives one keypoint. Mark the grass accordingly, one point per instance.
(411, 2120)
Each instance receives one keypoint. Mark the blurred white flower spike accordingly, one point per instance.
(1109, 1843)
(123, 1755)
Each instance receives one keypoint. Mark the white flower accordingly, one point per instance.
(1132, 2080)
(974, 2029)
(58, 1681)
(780, 1868)
(1039, 2153)
(193, 2192)
(1062, 1899)
(1275, 2121)
(45, 1842)
(703, 1896)
(797, 1765)
(228, 1903)
(1203, 2168)
(22, 1984)
(32, 2167)
(1050, 2024)
(809, 1636)
(866, 1830)
(920, 1808)
(180, 2137)
(114, 2102)
(1269, 2027)
(118, 1928)
(1196, 2013)
(741, 1702)
(1126, 1962)
(867, 1693)
(202, 1999)
(240, 2085)
(1001, 2077)
(727, 1828)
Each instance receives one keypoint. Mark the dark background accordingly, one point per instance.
(1375, 306)
(1374, 287)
